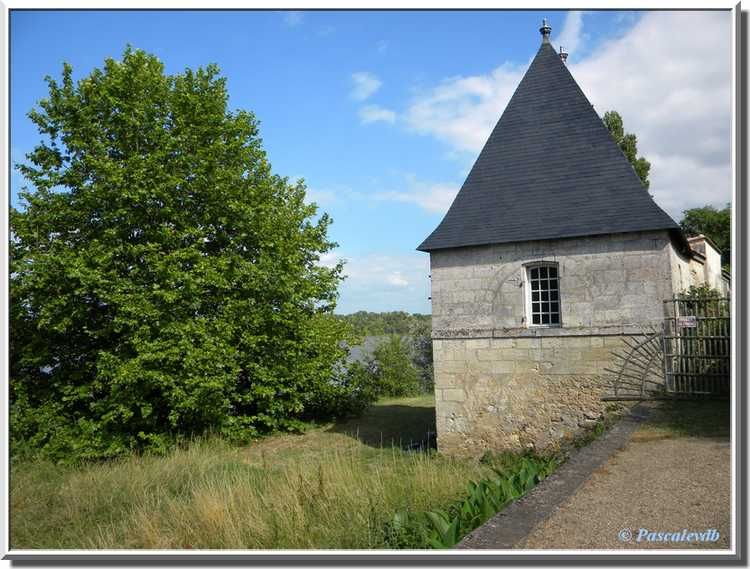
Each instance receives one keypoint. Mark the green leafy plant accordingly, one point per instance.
(440, 529)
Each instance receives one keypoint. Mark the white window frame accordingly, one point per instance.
(527, 293)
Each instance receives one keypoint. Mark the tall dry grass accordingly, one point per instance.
(320, 490)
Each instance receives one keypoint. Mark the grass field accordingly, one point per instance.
(334, 487)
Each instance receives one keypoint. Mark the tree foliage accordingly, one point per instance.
(394, 372)
(163, 280)
(628, 143)
(716, 224)
(420, 333)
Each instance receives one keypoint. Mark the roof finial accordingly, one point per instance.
(563, 54)
(545, 31)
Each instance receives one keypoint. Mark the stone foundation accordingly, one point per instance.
(518, 393)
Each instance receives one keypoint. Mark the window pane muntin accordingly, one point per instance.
(544, 302)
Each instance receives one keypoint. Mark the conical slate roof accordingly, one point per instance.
(550, 169)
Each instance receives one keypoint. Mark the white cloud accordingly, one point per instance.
(374, 113)
(384, 281)
(396, 279)
(365, 84)
(293, 18)
(329, 260)
(382, 46)
(571, 36)
(320, 197)
(669, 77)
(461, 111)
(673, 92)
(432, 197)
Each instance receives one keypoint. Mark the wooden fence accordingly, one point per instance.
(697, 346)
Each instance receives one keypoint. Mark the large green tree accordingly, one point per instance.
(163, 280)
(628, 143)
(716, 224)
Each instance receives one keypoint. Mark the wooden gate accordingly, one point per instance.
(697, 346)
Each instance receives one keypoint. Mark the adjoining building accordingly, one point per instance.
(551, 253)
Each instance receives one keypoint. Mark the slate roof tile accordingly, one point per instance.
(549, 170)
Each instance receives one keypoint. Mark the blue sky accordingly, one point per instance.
(383, 113)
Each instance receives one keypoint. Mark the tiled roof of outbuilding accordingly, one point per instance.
(549, 170)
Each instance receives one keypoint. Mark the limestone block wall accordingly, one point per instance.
(502, 384)
(517, 393)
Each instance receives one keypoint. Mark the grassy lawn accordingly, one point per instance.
(335, 486)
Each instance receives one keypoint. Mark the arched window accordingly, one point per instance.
(543, 294)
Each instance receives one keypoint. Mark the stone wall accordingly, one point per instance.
(501, 384)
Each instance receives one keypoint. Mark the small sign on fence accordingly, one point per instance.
(687, 321)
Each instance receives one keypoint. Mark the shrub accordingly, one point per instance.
(393, 369)
(351, 390)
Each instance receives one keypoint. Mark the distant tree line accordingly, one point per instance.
(382, 323)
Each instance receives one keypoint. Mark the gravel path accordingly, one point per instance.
(659, 482)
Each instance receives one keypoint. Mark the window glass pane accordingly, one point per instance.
(545, 295)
